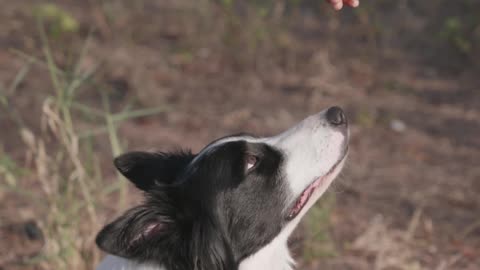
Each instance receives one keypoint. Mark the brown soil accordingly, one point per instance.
(408, 198)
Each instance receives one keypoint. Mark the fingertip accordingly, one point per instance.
(353, 3)
(338, 5)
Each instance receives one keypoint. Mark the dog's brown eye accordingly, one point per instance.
(250, 162)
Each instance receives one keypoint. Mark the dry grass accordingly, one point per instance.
(62, 160)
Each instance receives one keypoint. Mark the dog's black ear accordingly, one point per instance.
(145, 169)
(136, 234)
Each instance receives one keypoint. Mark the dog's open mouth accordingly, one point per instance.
(308, 192)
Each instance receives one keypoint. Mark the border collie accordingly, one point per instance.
(231, 206)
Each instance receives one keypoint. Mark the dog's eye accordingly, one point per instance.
(250, 162)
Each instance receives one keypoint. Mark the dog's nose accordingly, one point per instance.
(335, 116)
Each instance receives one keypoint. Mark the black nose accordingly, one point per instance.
(335, 116)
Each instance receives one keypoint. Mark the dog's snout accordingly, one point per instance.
(335, 116)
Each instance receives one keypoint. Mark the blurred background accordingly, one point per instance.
(82, 81)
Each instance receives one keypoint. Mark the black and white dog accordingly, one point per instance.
(231, 206)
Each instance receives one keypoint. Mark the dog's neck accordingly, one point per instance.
(274, 256)
(269, 257)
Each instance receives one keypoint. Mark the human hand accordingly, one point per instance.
(338, 4)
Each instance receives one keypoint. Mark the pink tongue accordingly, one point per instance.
(306, 195)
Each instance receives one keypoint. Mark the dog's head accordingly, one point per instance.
(232, 198)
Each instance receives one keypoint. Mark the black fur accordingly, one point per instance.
(204, 214)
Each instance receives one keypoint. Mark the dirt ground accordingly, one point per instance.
(408, 197)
